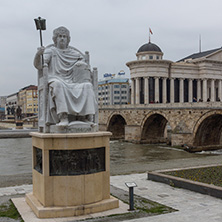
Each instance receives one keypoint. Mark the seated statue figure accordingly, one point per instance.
(70, 91)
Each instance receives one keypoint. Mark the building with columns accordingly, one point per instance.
(194, 78)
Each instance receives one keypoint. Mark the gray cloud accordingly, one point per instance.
(111, 30)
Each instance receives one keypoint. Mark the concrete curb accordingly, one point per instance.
(199, 187)
(16, 133)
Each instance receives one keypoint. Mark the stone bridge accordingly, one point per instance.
(194, 124)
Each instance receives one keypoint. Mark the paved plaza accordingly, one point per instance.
(190, 206)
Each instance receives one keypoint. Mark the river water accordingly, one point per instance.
(125, 158)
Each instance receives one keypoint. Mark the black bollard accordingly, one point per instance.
(131, 185)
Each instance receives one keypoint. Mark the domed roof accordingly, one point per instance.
(149, 47)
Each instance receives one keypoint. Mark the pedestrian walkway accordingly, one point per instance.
(191, 206)
(8, 191)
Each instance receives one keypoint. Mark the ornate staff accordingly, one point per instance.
(40, 25)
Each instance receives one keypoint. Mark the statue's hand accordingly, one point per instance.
(40, 50)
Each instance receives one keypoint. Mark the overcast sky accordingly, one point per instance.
(111, 30)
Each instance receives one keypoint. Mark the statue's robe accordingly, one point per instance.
(70, 88)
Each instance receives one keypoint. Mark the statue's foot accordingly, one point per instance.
(63, 117)
(63, 122)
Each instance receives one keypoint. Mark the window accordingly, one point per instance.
(157, 57)
(123, 86)
(116, 92)
(116, 97)
(150, 57)
(116, 86)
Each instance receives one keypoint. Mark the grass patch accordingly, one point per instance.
(209, 175)
(150, 207)
(9, 210)
(142, 208)
(154, 210)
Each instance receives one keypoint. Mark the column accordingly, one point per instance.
(132, 91)
(219, 90)
(137, 91)
(164, 91)
(204, 90)
(172, 90)
(212, 91)
(198, 89)
(181, 90)
(146, 89)
(190, 100)
(157, 97)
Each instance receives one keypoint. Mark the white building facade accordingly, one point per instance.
(113, 91)
(197, 77)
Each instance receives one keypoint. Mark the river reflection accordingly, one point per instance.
(16, 156)
(125, 152)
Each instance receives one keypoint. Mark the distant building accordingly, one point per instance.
(2, 107)
(28, 100)
(113, 91)
(197, 77)
(2, 101)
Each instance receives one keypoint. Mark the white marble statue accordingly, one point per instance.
(70, 93)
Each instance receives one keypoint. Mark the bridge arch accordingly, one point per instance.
(153, 128)
(208, 129)
(116, 125)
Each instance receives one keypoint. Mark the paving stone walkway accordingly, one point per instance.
(191, 206)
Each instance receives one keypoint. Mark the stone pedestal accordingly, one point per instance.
(71, 174)
(10, 118)
(19, 124)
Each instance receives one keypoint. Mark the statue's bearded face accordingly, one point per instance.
(61, 37)
(62, 41)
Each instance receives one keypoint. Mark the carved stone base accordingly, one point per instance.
(74, 127)
(10, 118)
(70, 211)
(71, 174)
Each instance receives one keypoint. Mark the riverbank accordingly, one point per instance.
(7, 125)
(8, 130)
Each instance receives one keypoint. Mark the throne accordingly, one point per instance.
(43, 90)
